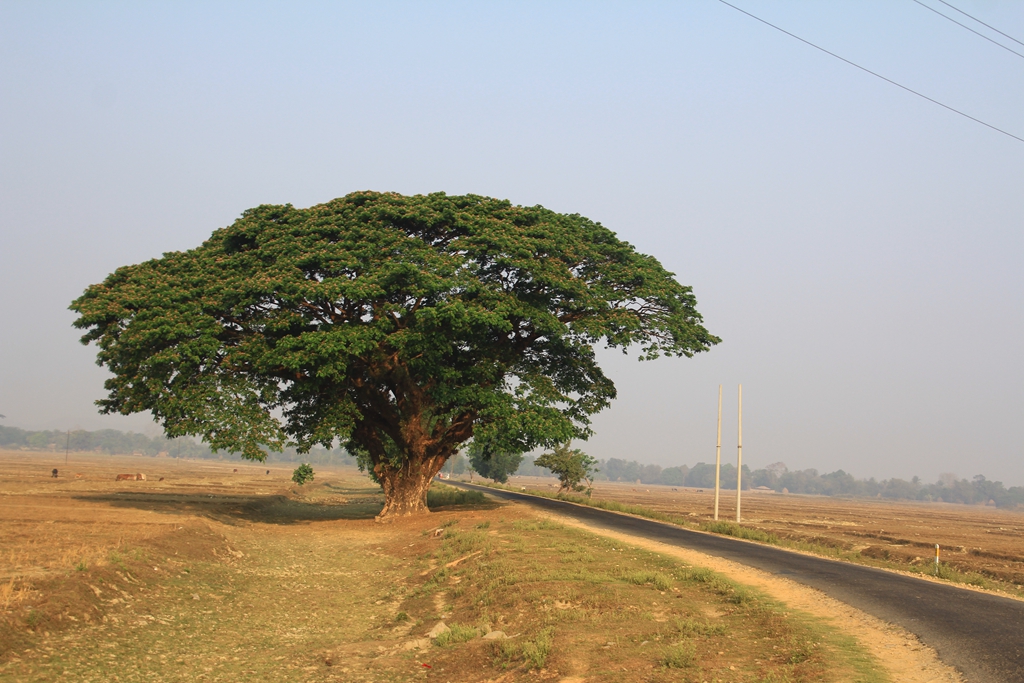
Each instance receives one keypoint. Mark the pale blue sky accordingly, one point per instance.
(858, 249)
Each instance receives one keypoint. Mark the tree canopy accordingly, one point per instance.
(401, 326)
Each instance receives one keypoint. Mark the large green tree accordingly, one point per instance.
(401, 326)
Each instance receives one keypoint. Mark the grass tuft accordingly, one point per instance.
(532, 653)
(679, 655)
(456, 633)
(693, 627)
(643, 578)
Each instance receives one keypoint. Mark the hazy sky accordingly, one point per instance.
(858, 249)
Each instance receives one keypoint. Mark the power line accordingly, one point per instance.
(981, 22)
(977, 33)
(876, 75)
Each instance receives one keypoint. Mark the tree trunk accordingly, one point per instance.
(405, 489)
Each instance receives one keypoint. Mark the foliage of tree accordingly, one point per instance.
(573, 467)
(302, 474)
(493, 464)
(401, 326)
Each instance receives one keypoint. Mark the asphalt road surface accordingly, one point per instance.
(982, 635)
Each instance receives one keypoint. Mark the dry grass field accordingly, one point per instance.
(973, 538)
(204, 573)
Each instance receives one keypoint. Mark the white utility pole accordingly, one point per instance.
(739, 455)
(718, 452)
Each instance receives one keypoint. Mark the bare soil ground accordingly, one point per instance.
(212, 574)
(972, 538)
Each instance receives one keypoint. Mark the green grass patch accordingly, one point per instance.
(456, 633)
(733, 529)
(441, 495)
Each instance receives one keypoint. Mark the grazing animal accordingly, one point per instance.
(130, 477)
(79, 475)
(235, 470)
(268, 471)
(54, 473)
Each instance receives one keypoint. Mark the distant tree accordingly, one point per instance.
(302, 474)
(650, 474)
(701, 475)
(674, 476)
(400, 326)
(572, 467)
(493, 464)
(457, 464)
(528, 468)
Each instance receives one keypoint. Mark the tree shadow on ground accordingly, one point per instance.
(237, 509)
(321, 502)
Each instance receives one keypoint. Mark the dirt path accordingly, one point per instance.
(903, 655)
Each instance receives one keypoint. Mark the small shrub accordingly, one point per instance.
(483, 525)
(952, 574)
(81, 566)
(302, 474)
(34, 618)
(401, 616)
(679, 655)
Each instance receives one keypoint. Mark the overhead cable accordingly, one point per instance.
(981, 22)
(977, 33)
(876, 75)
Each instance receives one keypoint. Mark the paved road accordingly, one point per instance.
(982, 635)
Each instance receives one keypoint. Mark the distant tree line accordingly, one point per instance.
(116, 442)
(778, 477)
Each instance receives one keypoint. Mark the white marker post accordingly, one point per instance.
(739, 455)
(718, 452)
(936, 559)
